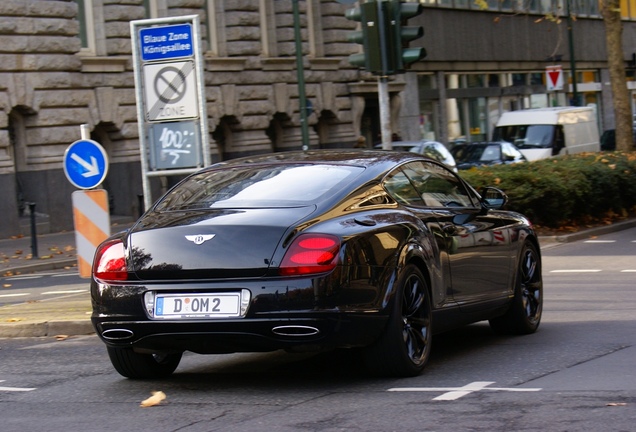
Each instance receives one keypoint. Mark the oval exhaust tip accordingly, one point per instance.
(117, 334)
(295, 330)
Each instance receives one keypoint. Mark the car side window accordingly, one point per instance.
(437, 186)
(400, 188)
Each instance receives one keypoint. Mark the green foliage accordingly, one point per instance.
(574, 189)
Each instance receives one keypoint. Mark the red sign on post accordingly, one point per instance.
(554, 78)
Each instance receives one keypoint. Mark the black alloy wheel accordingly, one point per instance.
(526, 308)
(404, 348)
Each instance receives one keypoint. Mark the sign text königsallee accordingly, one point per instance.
(167, 42)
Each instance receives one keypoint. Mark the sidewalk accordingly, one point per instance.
(57, 251)
(43, 318)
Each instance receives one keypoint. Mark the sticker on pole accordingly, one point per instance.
(85, 164)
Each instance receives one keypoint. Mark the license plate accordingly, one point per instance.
(197, 305)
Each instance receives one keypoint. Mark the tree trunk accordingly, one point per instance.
(610, 9)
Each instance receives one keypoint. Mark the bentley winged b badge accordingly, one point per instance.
(199, 238)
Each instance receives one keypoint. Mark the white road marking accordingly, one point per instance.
(15, 295)
(628, 271)
(452, 393)
(14, 388)
(63, 292)
(576, 271)
(13, 278)
(65, 274)
(599, 241)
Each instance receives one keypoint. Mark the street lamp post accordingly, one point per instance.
(302, 99)
(575, 93)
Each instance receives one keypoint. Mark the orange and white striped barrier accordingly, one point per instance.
(92, 225)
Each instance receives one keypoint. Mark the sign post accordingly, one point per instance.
(85, 166)
(170, 93)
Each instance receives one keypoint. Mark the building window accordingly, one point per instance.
(87, 31)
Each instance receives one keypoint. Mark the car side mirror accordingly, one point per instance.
(493, 198)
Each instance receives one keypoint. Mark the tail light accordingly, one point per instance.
(110, 262)
(309, 254)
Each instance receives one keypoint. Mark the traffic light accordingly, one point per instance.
(368, 36)
(403, 34)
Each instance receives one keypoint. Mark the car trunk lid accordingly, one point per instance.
(218, 243)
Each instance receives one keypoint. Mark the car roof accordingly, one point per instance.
(479, 143)
(382, 160)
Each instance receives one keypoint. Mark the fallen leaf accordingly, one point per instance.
(616, 404)
(61, 337)
(14, 320)
(6, 286)
(155, 399)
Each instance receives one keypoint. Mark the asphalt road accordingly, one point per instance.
(576, 373)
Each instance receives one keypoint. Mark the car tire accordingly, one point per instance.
(524, 314)
(404, 348)
(131, 364)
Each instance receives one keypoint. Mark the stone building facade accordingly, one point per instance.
(67, 63)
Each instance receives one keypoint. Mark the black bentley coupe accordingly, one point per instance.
(314, 250)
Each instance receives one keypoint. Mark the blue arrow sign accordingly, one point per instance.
(85, 164)
(167, 42)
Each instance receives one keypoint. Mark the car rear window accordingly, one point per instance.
(258, 186)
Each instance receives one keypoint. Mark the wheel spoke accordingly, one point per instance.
(416, 342)
(413, 298)
(529, 267)
(531, 300)
(415, 332)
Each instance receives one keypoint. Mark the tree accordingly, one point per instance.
(611, 12)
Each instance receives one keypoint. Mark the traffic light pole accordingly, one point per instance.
(383, 83)
(385, 37)
(302, 99)
(385, 112)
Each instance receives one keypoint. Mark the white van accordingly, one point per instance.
(544, 132)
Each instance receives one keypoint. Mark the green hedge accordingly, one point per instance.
(574, 189)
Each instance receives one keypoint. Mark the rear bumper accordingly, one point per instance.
(322, 331)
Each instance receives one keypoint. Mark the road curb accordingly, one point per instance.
(591, 232)
(42, 266)
(47, 328)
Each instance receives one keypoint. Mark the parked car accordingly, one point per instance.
(314, 250)
(486, 153)
(608, 139)
(433, 149)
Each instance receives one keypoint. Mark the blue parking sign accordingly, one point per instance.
(85, 164)
(166, 42)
